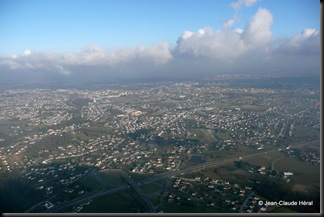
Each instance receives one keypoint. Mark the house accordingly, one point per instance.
(288, 174)
(48, 205)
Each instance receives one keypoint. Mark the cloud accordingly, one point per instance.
(206, 43)
(305, 43)
(158, 54)
(62, 70)
(238, 30)
(27, 52)
(236, 6)
(243, 3)
(14, 64)
(11, 64)
(250, 48)
(228, 23)
(91, 55)
(258, 31)
(95, 55)
(227, 45)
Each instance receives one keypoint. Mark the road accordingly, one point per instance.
(139, 191)
(245, 201)
(94, 195)
(101, 180)
(85, 198)
(273, 162)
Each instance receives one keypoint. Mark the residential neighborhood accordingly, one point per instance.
(57, 137)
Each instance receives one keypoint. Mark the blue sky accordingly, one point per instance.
(63, 25)
(62, 36)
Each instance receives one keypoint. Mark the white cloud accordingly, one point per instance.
(258, 31)
(27, 52)
(158, 54)
(62, 70)
(95, 55)
(11, 64)
(238, 30)
(91, 55)
(303, 37)
(186, 35)
(16, 65)
(251, 48)
(206, 43)
(226, 45)
(228, 23)
(243, 3)
(307, 42)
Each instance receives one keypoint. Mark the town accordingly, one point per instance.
(57, 138)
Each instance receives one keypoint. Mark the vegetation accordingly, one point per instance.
(17, 194)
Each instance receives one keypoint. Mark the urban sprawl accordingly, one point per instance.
(56, 138)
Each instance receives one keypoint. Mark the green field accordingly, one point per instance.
(90, 183)
(17, 194)
(151, 188)
(306, 173)
(123, 202)
(264, 160)
(113, 178)
(138, 177)
(305, 132)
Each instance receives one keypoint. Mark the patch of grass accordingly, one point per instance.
(116, 203)
(113, 178)
(17, 194)
(308, 173)
(264, 160)
(151, 188)
(305, 132)
(90, 183)
(138, 177)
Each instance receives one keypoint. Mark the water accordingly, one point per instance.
(197, 159)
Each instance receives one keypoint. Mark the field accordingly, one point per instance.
(17, 195)
(315, 146)
(124, 202)
(138, 177)
(90, 183)
(264, 160)
(305, 174)
(151, 188)
(113, 178)
(306, 132)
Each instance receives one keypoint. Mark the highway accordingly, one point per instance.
(85, 198)
(94, 195)
(139, 191)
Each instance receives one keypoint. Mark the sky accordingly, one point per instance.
(158, 38)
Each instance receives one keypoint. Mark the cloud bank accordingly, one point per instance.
(243, 3)
(241, 50)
